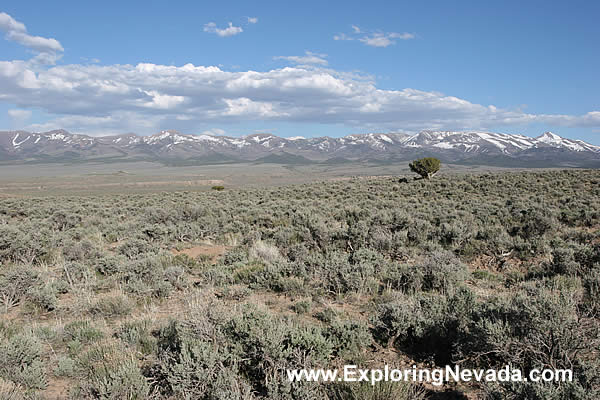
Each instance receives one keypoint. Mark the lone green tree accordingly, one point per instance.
(426, 167)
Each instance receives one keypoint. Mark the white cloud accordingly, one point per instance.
(342, 36)
(162, 101)
(123, 98)
(252, 109)
(49, 49)
(231, 30)
(9, 24)
(374, 39)
(309, 58)
(377, 40)
(252, 20)
(402, 36)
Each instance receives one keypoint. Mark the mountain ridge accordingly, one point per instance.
(171, 146)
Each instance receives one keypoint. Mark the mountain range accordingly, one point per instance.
(172, 147)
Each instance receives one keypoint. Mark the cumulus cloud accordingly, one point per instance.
(374, 39)
(252, 20)
(123, 98)
(231, 30)
(48, 49)
(309, 58)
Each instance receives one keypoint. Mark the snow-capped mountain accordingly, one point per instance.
(486, 142)
(170, 146)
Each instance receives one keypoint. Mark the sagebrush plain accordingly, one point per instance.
(165, 291)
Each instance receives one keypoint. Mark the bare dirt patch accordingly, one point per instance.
(213, 251)
(57, 388)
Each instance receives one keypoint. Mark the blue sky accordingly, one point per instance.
(141, 67)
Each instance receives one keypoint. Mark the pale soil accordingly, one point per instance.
(213, 251)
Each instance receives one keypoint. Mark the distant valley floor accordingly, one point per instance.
(143, 177)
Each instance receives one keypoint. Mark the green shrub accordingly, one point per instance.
(404, 277)
(175, 275)
(109, 372)
(82, 331)
(236, 292)
(425, 325)
(110, 264)
(147, 276)
(16, 281)
(21, 361)
(25, 243)
(80, 250)
(43, 297)
(442, 272)
(563, 262)
(380, 391)
(65, 367)
(252, 347)
(397, 319)
(302, 306)
(249, 273)
(77, 273)
(139, 335)
(326, 315)
(591, 284)
(235, 256)
(537, 327)
(112, 306)
(426, 167)
(349, 338)
(291, 285)
(193, 367)
(339, 274)
(136, 247)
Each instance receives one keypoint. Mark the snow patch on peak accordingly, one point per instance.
(239, 142)
(16, 143)
(175, 136)
(206, 138)
(57, 136)
(549, 136)
(444, 145)
(386, 138)
(552, 139)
